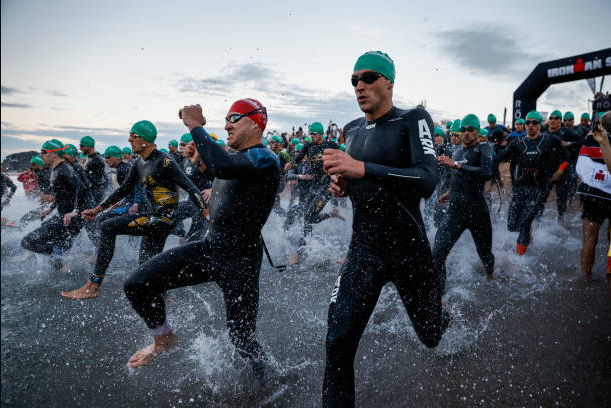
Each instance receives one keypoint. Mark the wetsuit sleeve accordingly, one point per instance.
(508, 153)
(81, 192)
(485, 169)
(124, 189)
(291, 175)
(231, 166)
(180, 178)
(422, 175)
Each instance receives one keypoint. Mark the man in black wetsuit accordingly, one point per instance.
(471, 166)
(8, 189)
(540, 160)
(161, 178)
(385, 181)
(174, 153)
(275, 144)
(96, 169)
(242, 197)
(70, 197)
(432, 205)
(301, 175)
(318, 196)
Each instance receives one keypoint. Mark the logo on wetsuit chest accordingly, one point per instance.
(370, 126)
(425, 138)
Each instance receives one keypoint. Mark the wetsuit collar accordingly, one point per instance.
(386, 116)
(260, 145)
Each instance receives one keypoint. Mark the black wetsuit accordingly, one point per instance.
(161, 177)
(186, 209)
(299, 191)
(536, 161)
(389, 242)
(70, 194)
(284, 158)
(8, 189)
(567, 186)
(467, 208)
(318, 195)
(96, 170)
(43, 179)
(443, 184)
(230, 254)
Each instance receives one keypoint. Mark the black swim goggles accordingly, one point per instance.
(368, 77)
(234, 117)
(467, 128)
(45, 151)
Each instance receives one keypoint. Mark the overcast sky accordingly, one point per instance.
(76, 68)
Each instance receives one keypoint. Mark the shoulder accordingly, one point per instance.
(354, 125)
(262, 157)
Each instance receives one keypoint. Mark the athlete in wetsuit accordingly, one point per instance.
(388, 167)
(540, 158)
(8, 189)
(471, 167)
(161, 178)
(230, 254)
(55, 236)
(318, 195)
(301, 174)
(95, 167)
(196, 170)
(275, 144)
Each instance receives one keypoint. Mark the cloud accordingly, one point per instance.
(56, 93)
(16, 105)
(487, 50)
(367, 32)
(5, 90)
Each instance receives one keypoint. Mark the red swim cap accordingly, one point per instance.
(247, 105)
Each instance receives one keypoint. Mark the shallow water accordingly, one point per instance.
(537, 335)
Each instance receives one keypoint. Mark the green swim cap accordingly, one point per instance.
(56, 145)
(556, 113)
(448, 124)
(470, 120)
(113, 151)
(439, 131)
(276, 139)
(585, 115)
(491, 118)
(520, 121)
(568, 115)
(87, 141)
(308, 139)
(534, 115)
(295, 141)
(483, 132)
(221, 142)
(342, 147)
(71, 150)
(455, 126)
(265, 142)
(37, 160)
(377, 61)
(164, 150)
(173, 143)
(84, 156)
(317, 127)
(186, 138)
(299, 146)
(145, 130)
(126, 150)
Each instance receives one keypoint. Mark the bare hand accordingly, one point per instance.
(44, 213)
(339, 186)
(206, 193)
(192, 116)
(557, 176)
(445, 160)
(600, 135)
(443, 198)
(337, 162)
(91, 213)
(305, 177)
(68, 218)
(133, 209)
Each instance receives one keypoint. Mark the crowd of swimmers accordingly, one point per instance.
(385, 163)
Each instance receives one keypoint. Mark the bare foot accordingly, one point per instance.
(162, 344)
(335, 214)
(295, 259)
(89, 291)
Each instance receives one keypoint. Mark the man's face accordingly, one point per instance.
(316, 138)
(492, 124)
(138, 144)
(112, 162)
(371, 97)
(438, 140)
(585, 122)
(37, 167)
(126, 156)
(469, 136)
(48, 158)
(533, 127)
(455, 138)
(519, 127)
(554, 123)
(569, 122)
(275, 146)
(172, 149)
(238, 132)
(69, 158)
(183, 149)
